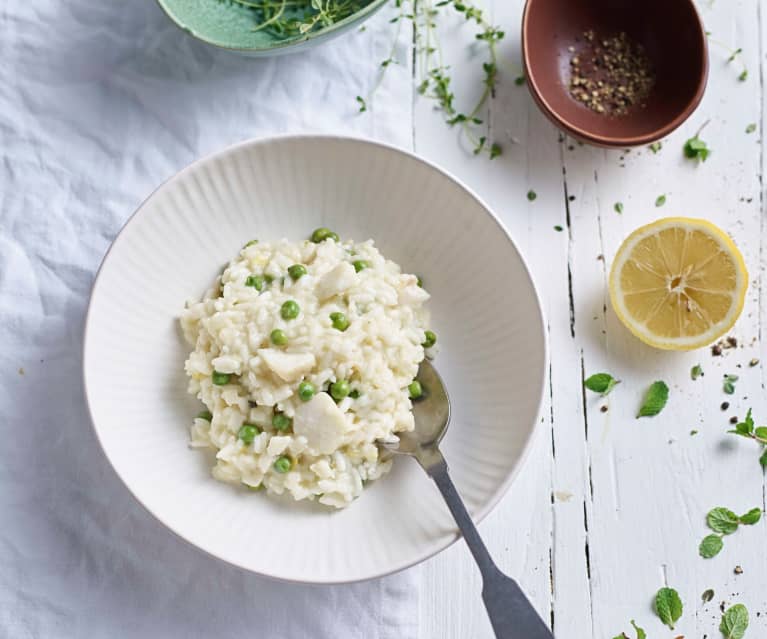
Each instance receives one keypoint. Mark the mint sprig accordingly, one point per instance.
(724, 522)
(655, 400)
(747, 429)
(696, 149)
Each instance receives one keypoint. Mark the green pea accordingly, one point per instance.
(248, 433)
(278, 337)
(283, 464)
(220, 379)
(321, 234)
(251, 243)
(339, 389)
(205, 414)
(415, 389)
(290, 310)
(355, 394)
(281, 421)
(306, 391)
(256, 281)
(340, 321)
(297, 271)
(360, 265)
(431, 339)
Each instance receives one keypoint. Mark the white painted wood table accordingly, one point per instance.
(609, 508)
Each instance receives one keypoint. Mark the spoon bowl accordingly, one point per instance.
(669, 31)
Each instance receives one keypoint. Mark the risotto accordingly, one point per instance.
(305, 355)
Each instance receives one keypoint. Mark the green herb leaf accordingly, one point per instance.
(696, 371)
(558, 228)
(734, 622)
(735, 54)
(660, 200)
(655, 147)
(710, 547)
(641, 634)
(751, 127)
(655, 400)
(601, 383)
(618, 206)
(519, 80)
(361, 102)
(751, 517)
(531, 195)
(745, 427)
(729, 383)
(763, 459)
(722, 520)
(696, 149)
(668, 605)
(707, 595)
(761, 433)
(743, 76)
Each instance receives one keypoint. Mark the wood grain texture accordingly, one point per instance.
(610, 508)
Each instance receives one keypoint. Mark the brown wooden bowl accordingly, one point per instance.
(673, 38)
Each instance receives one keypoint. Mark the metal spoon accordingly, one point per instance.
(511, 613)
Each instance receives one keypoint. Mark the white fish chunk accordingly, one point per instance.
(321, 422)
(335, 281)
(288, 366)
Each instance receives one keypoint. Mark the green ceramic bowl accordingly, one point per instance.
(231, 26)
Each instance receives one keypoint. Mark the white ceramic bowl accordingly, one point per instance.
(484, 308)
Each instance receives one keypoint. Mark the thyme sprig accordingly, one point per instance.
(435, 79)
(287, 18)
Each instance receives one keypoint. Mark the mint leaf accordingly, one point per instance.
(660, 200)
(763, 459)
(654, 401)
(729, 383)
(618, 206)
(745, 428)
(696, 149)
(710, 547)
(751, 517)
(722, 520)
(601, 383)
(734, 622)
(641, 634)
(751, 127)
(696, 371)
(761, 433)
(668, 605)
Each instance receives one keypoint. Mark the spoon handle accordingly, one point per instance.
(511, 613)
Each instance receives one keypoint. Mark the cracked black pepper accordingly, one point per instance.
(610, 75)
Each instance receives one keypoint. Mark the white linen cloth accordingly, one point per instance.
(99, 103)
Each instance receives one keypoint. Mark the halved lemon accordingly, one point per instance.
(678, 283)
